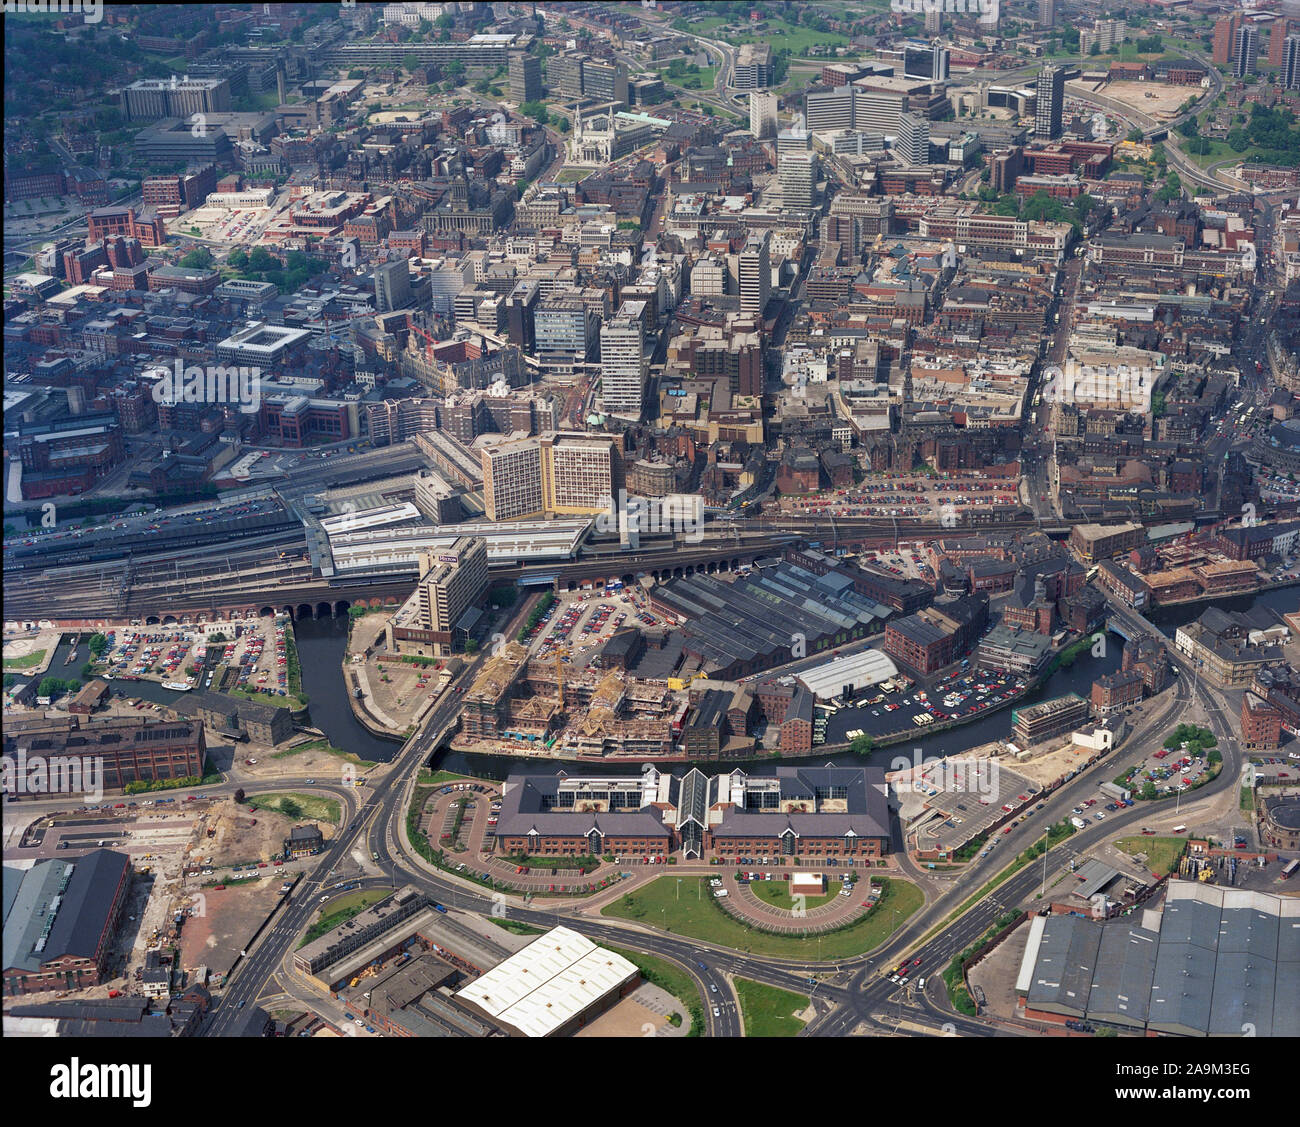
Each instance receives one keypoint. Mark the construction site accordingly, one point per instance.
(564, 707)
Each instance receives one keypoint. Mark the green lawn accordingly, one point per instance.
(437, 778)
(702, 81)
(1219, 150)
(778, 33)
(799, 76)
(572, 175)
(517, 927)
(261, 696)
(1162, 852)
(342, 910)
(586, 862)
(310, 806)
(326, 746)
(777, 893)
(769, 1011)
(698, 917)
(29, 662)
(258, 103)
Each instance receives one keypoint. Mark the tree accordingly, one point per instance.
(1134, 135)
(239, 796)
(537, 111)
(200, 258)
(97, 644)
(862, 745)
(471, 646)
(454, 69)
(261, 260)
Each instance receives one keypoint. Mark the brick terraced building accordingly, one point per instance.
(130, 748)
(812, 813)
(60, 920)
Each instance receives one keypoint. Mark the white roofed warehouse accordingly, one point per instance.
(553, 987)
(860, 670)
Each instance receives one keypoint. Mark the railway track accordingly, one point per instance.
(275, 570)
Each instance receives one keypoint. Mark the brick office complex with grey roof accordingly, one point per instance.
(129, 747)
(812, 813)
(60, 919)
(559, 815)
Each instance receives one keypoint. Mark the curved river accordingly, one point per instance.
(321, 644)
